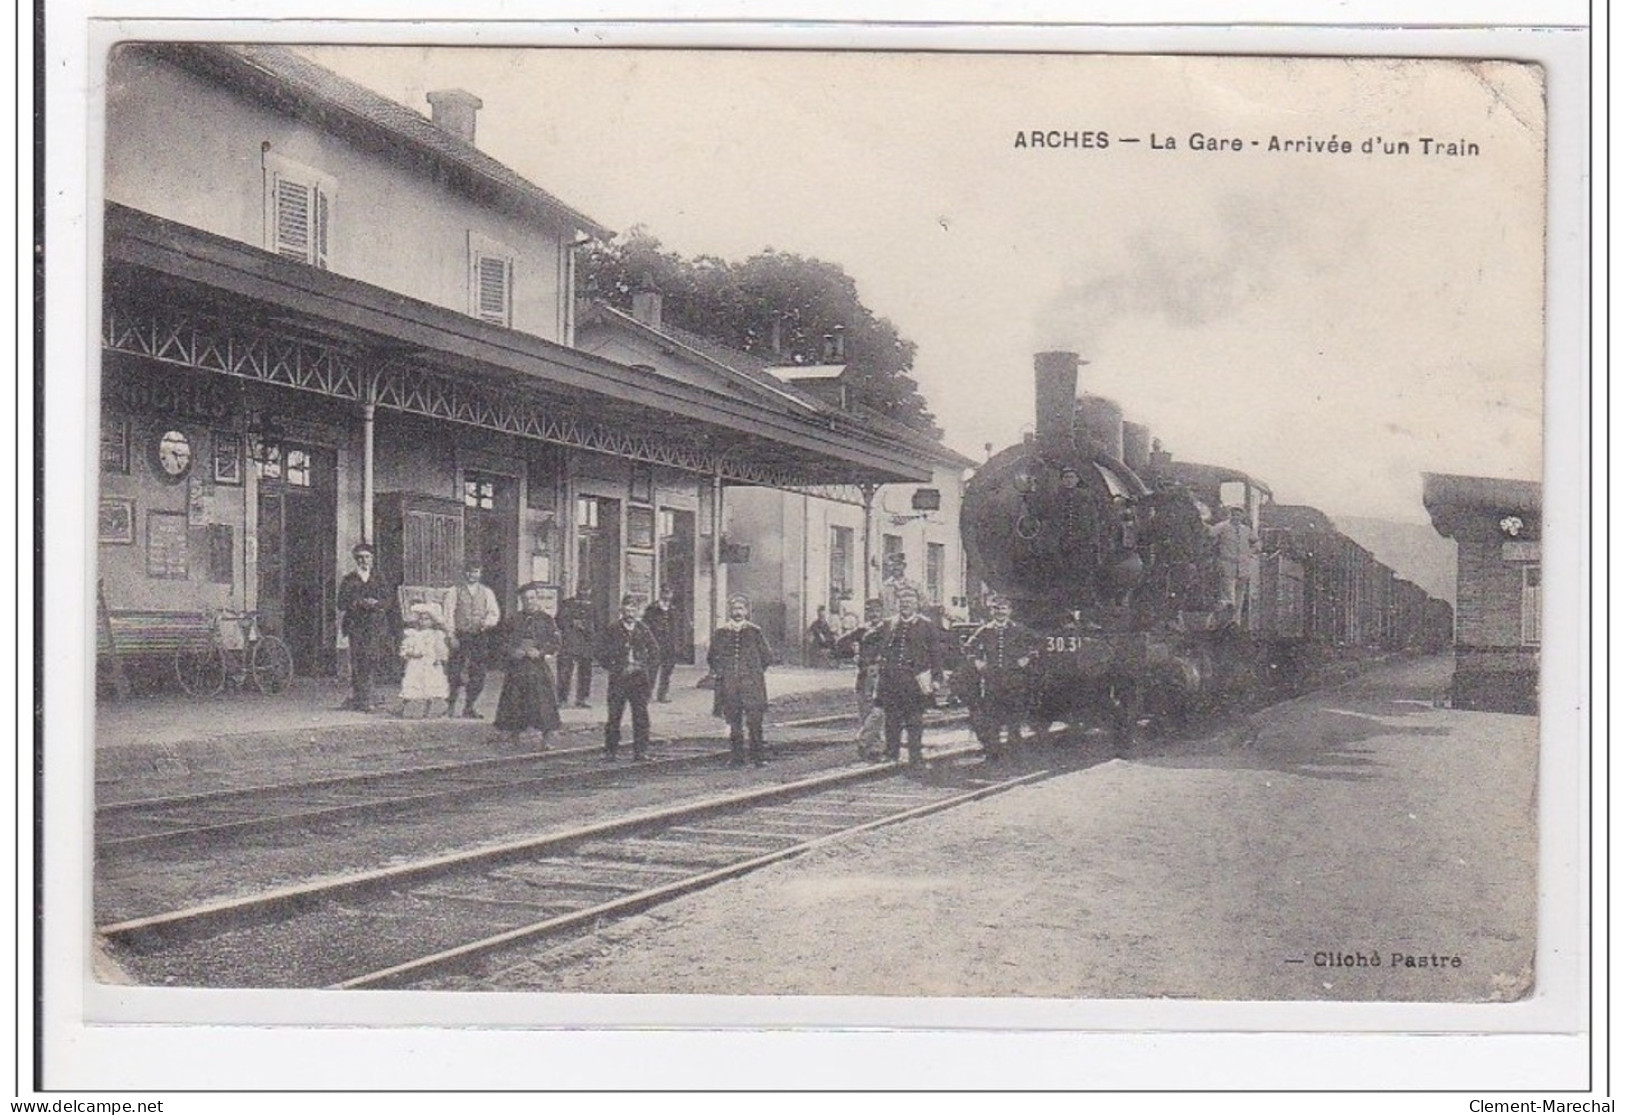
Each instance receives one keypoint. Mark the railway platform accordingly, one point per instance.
(163, 739)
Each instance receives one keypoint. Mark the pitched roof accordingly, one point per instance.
(300, 85)
(762, 377)
(1486, 493)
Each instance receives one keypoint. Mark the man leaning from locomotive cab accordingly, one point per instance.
(999, 651)
(910, 665)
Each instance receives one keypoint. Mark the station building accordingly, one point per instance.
(1496, 525)
(328, 318)
(830, 545)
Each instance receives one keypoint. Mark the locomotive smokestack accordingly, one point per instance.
(1137, 446)
(1055, 376)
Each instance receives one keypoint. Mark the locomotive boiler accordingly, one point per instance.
(1106, 549)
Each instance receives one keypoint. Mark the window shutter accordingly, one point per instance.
(293, 219)
(493, 277)
(319, 257)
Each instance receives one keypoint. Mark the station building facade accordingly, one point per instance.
(327, 318)
(791, 551)
(1496, 525)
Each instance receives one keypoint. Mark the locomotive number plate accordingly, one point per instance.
(1068, 644)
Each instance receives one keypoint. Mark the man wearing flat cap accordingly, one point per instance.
(365, 602)
(910, 664)
(471, 613)
(999, 652)
(739, 659)
(629, 654)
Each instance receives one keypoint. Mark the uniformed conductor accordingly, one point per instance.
(630, 655)
(910, 664)
(999, 652)
(739, 659)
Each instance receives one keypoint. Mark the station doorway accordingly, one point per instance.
(677, 574)
(297, 515)
(491, 532)
(598, 554)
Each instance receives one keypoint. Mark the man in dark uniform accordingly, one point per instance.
(365, 601)
(910, 664)
(661, 620)
(629, 653)
(578, 628)
(739, 659)
(999, 651)
(862, 644)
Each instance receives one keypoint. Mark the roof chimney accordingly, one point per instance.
(646, 309)
(453, 110)
(840, 343)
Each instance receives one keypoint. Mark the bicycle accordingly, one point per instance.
(238, 653)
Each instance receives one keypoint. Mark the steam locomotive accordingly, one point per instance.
(1105, 547)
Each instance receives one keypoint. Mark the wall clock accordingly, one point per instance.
(172, 454)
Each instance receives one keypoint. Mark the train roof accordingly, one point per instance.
(1293, 516)
(1194, 475)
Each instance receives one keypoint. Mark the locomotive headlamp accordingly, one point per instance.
(1023, 483)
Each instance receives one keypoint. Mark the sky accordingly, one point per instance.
(1333, 323)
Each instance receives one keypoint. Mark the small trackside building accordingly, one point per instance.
(1497, 528)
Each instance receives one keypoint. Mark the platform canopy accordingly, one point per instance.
(176, 295)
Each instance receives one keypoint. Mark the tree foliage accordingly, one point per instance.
(736, 304)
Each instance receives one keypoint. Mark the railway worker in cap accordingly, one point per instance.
(471, 612)
(909, 661)
(578, 627)
(661, 620)
(739, 659)
(365, 601)
(861, 645)
(1238, 561)
(894, 579)
(629, 654)
(999, 652)
(531, 645)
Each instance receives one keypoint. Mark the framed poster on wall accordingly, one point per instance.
(640, 576)
(166, 545)
(115, 521)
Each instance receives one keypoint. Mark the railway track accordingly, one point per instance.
(414, 922)
(152, 823)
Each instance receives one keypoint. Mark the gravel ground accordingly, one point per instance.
(1356, 821)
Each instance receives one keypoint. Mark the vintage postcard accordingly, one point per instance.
(800, 536)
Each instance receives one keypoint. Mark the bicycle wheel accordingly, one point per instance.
(201, 672)
(271, 666)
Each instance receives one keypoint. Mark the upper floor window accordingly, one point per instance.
(936, 565)
(298, 211)
(490, 280)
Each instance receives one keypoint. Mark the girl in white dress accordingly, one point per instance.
(426, 647)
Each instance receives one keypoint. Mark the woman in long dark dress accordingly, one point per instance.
(529, 699)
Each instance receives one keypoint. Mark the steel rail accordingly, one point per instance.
(446, 959)
(210, 917)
